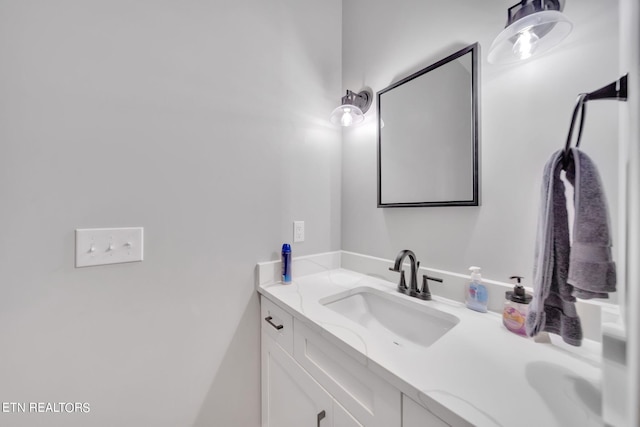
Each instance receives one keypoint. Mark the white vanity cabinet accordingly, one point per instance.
(290, 396)
(308, 381)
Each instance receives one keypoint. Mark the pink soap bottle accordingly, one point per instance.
(516, 307)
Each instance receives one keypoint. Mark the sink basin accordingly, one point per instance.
(392, 317)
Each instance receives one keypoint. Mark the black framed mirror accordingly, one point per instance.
(428, 135)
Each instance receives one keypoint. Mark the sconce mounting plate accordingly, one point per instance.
(362, 99)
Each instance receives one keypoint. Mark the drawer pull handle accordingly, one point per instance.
(269, 321)
(321, 416)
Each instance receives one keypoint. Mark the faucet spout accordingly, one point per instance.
(402, 286)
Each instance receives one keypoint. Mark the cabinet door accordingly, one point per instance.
(341, 418)
(370, 400)
(290, 397)
(414, 415)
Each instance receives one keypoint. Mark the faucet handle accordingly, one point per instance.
(425, 294)
(435, 279)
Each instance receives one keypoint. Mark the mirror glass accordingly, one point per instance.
(428, 135)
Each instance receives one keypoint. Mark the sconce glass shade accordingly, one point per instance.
(352, 108)
(529, 35)
(347, 115)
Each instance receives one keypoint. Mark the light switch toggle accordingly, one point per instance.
(97, 246)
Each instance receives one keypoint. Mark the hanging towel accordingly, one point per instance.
(552, 308)
(562, 272)
(592, 271)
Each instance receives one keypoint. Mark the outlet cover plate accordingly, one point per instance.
(298, 231)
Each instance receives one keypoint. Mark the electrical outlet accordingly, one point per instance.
(298, 231)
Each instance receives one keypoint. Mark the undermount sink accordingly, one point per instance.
(391, 316)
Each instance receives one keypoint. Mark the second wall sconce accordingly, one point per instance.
(533, 26)
(352, 108)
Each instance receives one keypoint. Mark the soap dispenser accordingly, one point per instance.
(516, 307)
(477, 295)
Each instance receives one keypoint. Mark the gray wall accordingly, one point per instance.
(204, 122)
(525, 112)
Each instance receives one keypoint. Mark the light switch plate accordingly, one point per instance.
(298, 231)
(100, 246)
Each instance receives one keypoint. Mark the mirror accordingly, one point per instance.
(428, 135)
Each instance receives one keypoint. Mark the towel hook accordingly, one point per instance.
(580, 108)
(616, 90)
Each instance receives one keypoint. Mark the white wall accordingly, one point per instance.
(630, 126)
(204, 122)
(525, 112)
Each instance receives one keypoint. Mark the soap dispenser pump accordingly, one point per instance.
(516, 307)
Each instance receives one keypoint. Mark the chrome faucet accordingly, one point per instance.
(412, 290)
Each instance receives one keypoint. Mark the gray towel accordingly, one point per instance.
(592, 271)
(552, 308)
(557, 266)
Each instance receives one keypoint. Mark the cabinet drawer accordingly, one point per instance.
(277, 323)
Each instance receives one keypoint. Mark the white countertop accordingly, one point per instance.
(479, 370)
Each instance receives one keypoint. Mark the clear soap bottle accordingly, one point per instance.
(477, 295)
(516, 307)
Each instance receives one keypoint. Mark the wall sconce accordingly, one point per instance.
(533, 27)
(352, 109)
